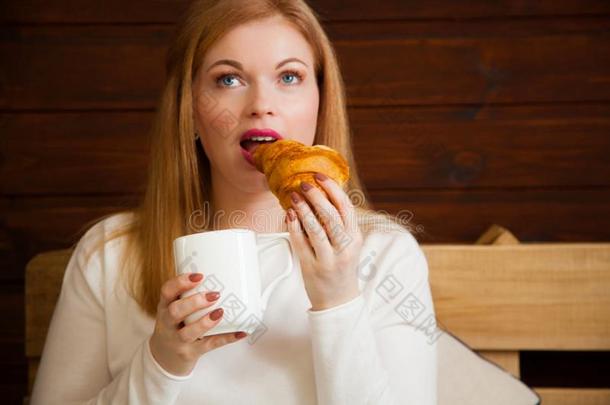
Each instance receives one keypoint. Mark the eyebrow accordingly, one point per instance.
(239, 66)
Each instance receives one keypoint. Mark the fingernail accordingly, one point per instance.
(320, 176)
(195, 277)
(216, 314)
(305, 186)
(295, 197)
(212, 296)
(291, 214)
(240, 335)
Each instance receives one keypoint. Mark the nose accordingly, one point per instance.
(261, 102)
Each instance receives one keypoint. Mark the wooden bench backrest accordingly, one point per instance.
(524, 297)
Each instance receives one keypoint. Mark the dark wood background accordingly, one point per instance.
(465, 113)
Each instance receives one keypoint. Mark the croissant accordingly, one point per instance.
(286, 163)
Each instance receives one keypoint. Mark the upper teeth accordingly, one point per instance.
(262, 138)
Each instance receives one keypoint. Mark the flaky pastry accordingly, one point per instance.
(286, 163)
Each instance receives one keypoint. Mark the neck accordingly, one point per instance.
(232, 207)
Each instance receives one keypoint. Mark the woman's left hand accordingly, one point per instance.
(329, 243)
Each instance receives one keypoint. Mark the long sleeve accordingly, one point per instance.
(74, 367)
(380, 348)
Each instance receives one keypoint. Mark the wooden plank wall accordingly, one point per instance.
(465, 113)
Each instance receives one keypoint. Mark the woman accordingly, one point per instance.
(342, 329)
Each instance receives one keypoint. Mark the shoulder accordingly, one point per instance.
(391, 248)
(383, 234)
(99, 236)
(98, 248)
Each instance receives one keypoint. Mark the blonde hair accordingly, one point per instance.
(178, 183)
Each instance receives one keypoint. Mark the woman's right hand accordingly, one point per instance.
(176, 346)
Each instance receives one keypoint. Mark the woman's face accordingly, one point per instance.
(259, 75)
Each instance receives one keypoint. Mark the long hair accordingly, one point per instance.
(178, 183)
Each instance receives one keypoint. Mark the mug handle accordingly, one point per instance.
(267, 292)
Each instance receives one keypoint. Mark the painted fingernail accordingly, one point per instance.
(216, 314)
(195, 277)
(240, 335)
(305, 186)
(295, 197)
(212, 296)
(320, 176)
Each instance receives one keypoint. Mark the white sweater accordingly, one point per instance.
(375, 349)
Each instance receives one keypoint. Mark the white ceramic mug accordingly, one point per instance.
(229, 261)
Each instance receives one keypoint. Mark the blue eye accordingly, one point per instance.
(293, 74)
(224, 80)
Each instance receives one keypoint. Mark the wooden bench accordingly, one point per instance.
(498, 296)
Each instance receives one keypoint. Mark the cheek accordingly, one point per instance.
(208, 134)
(207, 105)
(214, 124)
(303, 118)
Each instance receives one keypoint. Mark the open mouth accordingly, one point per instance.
(251, 145)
